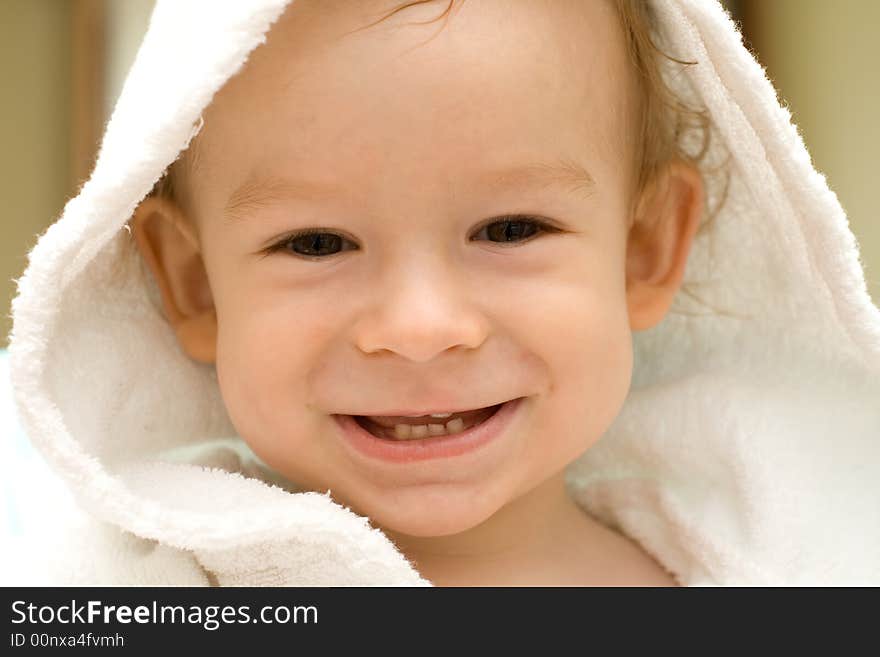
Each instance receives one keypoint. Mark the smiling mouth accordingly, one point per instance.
(427, 426)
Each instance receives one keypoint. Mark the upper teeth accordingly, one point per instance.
(409, 431)
(440, 414)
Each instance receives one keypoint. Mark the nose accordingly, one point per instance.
(421, 314)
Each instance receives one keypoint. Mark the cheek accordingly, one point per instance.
(588, 355)
(594, 371)
(264, 351)
(591, 381)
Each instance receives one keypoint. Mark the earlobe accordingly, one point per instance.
(198, 336)
(659, 243)
(172, 252)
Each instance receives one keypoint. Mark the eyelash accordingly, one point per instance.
(541, 227)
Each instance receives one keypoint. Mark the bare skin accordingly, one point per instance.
(400, 131)
(561, 546)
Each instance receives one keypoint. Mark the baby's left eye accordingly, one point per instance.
(514, 228)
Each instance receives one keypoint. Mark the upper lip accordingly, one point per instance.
(412, 413)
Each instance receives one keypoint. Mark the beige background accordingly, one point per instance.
(34, 130)
(824, 58)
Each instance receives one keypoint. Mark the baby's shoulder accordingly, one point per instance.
(595, 554)
(640, 571)
(625, 563)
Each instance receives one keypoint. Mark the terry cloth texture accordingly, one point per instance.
(747, 452)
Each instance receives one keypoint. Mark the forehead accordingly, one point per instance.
(492, 85)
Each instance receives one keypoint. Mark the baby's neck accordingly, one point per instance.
(541, 539)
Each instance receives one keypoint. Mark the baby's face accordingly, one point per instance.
(407, 154)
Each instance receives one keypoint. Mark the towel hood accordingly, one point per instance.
(748, 449)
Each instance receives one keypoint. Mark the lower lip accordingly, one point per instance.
(434, 447)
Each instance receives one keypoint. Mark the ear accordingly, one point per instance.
(659, 242)
(170, 246)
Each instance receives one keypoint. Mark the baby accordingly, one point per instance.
(415, 242)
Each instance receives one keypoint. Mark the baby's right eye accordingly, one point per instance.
(314, 244)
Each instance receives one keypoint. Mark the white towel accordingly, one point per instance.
(748, 450)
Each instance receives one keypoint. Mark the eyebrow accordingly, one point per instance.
(257, 192)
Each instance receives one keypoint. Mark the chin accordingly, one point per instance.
(428, 527)
(440, 514)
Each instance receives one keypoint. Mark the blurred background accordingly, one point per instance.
(65, 61)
